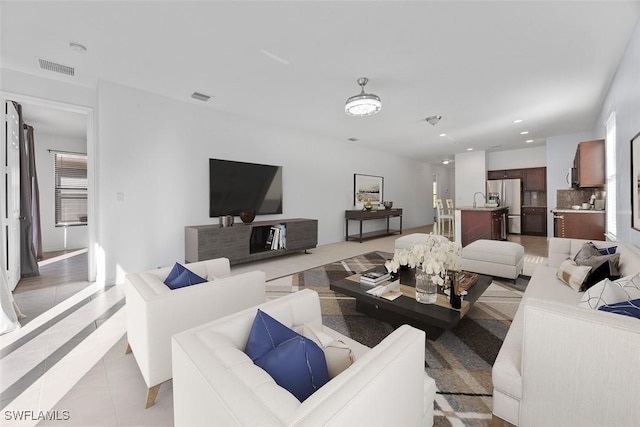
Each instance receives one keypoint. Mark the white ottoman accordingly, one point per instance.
(405, 242)
(493, 258)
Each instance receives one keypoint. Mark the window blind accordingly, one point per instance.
(70, 189)
(610, 147)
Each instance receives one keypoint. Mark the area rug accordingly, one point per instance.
(459, 361)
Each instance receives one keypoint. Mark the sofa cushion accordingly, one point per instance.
(603, 293)
(572, 274)
(338, 354)
(625, 308)
(602, 266)
(295, 363)
(603, 251)
(180, 276)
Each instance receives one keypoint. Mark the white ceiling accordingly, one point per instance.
(479, 64)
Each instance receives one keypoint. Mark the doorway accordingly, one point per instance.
(60, 127)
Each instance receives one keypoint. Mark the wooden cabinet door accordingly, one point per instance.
(535, 179)
(495, 174)
(534, 221)
(513, 173)
(590, 162)
(589, 226)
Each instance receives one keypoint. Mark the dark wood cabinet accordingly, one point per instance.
(247, 242)
(505, 174)
(589, 164)
(483, 224)
(535, 179)
(534, 221)
(586, 225)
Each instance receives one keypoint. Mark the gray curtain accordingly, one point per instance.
(28, 190)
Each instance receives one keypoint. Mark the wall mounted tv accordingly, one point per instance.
(235, 187)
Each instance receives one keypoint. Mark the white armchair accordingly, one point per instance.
(216, 383)
(155, 312)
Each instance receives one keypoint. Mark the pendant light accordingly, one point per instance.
(363, 104)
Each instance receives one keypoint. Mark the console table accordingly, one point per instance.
(247, 242)
(360, 215)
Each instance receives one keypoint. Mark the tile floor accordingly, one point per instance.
(70, 359)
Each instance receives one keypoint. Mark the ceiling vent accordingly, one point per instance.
(200, 96)
(58, 68)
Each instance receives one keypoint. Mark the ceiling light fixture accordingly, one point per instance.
(433, 120)
(443, 134)
(363, 104)
(516, 121)
(529, 141)
(445, 162)
(524, 132)
(469, 149)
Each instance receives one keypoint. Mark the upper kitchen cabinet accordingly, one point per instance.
(505, 174)
(589, 164)
(535, 179)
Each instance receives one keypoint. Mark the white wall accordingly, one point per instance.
(530, 157)
(624, 98)
(154, 151)
(470, 177)
(53, 238)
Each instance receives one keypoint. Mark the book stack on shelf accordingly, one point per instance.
(277, 238)
(374, 278)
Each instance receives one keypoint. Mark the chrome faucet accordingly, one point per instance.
(474, 197)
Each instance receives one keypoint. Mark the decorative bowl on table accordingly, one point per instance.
(576, 207)
(247, 216)
(387, 205)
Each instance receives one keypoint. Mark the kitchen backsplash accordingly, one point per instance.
(567, 198)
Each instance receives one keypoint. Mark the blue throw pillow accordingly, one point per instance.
(296, 363)
(180, 276)
(626, 308)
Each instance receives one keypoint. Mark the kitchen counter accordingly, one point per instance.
(480, 208)
(564, 210)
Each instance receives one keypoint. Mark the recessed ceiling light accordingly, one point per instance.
(445, 162)
(200, 96)
(443, 134)
(524, 132)
(77, 47)
(529, 140)
(469, 149)
(517, 121)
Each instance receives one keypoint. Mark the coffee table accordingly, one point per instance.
(434, 319)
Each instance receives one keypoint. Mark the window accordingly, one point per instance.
(70, 189)
(610, 147)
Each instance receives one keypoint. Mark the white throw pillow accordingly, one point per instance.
(572, 274)
(603, 292)
(339, 356)
(611, 292)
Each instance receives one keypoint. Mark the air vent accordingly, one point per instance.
(58, 68)
(200, 96)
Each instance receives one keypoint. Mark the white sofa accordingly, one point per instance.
(155, 312)
(216, 383)
(566, 365)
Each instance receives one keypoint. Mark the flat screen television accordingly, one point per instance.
(236, 187)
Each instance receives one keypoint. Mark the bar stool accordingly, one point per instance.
(445, 217)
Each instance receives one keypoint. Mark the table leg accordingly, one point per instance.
(360, 231)
(346, 221)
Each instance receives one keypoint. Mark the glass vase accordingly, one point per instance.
(426, 287)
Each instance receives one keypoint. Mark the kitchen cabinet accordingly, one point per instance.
(589, 164)
(534, 221)
(482, 223)
(505, 174)
(534, 179)
(588, 225)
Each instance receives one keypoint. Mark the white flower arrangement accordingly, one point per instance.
(434, 257)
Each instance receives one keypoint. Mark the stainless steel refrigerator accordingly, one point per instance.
(509, 192)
